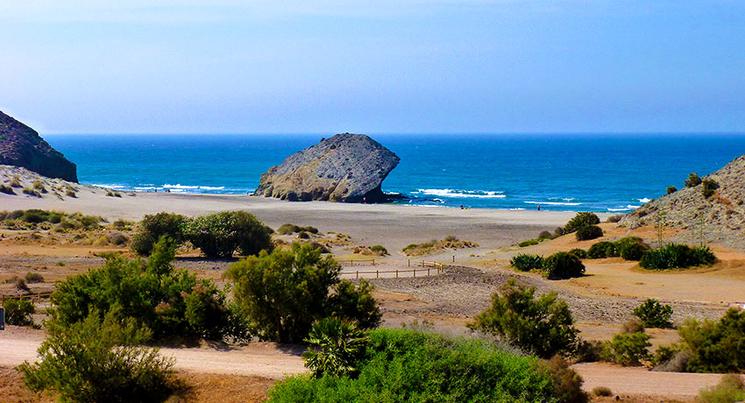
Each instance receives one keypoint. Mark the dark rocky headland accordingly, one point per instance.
(22, 146)
(344, 168)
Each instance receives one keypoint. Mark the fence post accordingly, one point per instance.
(373, 261)
(414, 273)
(409, 263)
(376, 274)
(357, 275)
(396, 273)
(428, 271)
(453, 258)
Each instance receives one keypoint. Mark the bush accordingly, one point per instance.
(614, 218)
(33, 277)
(405, 365)
(563, 265)
(7, 189)
(334, 348)
(631, 248)
(602, 391)
(379, 250)
(633, 325)
(709, 186)
(730, 389)
(171, 303)
(580, 253)
(96, 361)
(153, 227)
(284, 292)
(653, 314)
(581, 220)
(602, 250)
(627, 349)
(529, 242)
(289, 229)
(219, 235)
(31, 192)
(588, 351)
(18, 311)
(117, 238)
(588, 232)
(715, 346)
(693, 180)
(672, 256)
(525, 262)
(671, 190)
(545, 235)
(567, 383)
(542, 325)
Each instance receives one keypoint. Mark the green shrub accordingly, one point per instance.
(627, 349)
(631, 248)
(588, 351)
(219, 235)
(633, 325)
(18, 311)
(153, 227)
(33, 277)
(563, 265)
(379, 250)
(545, 235)
(405, 365)
(693, 180)
(588, 232)
(602, 250)
(709, 186)
(614, 218)
(602, 391)
(581, 220)
(335, 348)
(529, 242)
(654, 314)
(671, 189)
(542, 325)
(730, 389)
(31, 192)
(289, 229)
(117, 238)
(97, 361)
(284, 292)
(715, 346)
(567, 383)
(672, 256)
(525, 262)
(580, 253)
(171, 303)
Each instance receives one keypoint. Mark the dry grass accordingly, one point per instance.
(435, 246)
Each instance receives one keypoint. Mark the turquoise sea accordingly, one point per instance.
(589, 172)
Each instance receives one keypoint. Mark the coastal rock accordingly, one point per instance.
(21, 146)
(344, 168)
(717, 218)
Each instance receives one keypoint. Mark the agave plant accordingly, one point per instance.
(334, 347)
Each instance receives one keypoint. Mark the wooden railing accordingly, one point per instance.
(427, 268)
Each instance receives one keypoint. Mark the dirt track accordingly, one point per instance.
(268, 361)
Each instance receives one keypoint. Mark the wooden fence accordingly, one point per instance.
(430, 268)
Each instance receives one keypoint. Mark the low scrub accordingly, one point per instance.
(588, 232)
(405, 365)
(580, 253)
(289, 229)
(525, 262)
(155, 226)
(631, 248)
(44, 219)
(715, 346)
(335, 348)
(18, 311)
(731, 389)
(562, 265)
(434, 246)
(542, 325)
(674, 256)
(627, 349)
(220, 235)
(34, 277)
(602, 250)
(97, 360)
(654, 314)
(581, 220)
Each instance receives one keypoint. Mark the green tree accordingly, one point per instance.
(18, 311)
(563, 265)
(580, 220)
(284, 292)
(627, 349)
(155, 226)
(654, 314)
(715, 346)
(542, 325)
(220, 235)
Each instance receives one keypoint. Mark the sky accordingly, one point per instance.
(378, 66)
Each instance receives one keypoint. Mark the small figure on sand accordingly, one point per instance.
(539, 207)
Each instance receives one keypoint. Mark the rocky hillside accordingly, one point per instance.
(345, 168)
(21, 146)
(720, 217)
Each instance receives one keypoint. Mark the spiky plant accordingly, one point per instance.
(334, 347)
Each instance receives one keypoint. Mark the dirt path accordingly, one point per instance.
(259, 359)
(640, 381)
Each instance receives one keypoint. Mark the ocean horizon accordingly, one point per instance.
(613, 173)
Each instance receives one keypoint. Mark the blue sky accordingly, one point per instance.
(443, 66)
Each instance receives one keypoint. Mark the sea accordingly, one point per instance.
(613, 173)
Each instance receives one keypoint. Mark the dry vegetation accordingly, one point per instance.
(436, 246)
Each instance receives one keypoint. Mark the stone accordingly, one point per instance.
(344, 168)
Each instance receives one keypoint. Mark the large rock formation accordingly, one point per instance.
(21, 146)
(720, 217)
(345, 168)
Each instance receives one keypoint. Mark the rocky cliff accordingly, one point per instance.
(716, 217)
(21, 146)
(345, 168)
